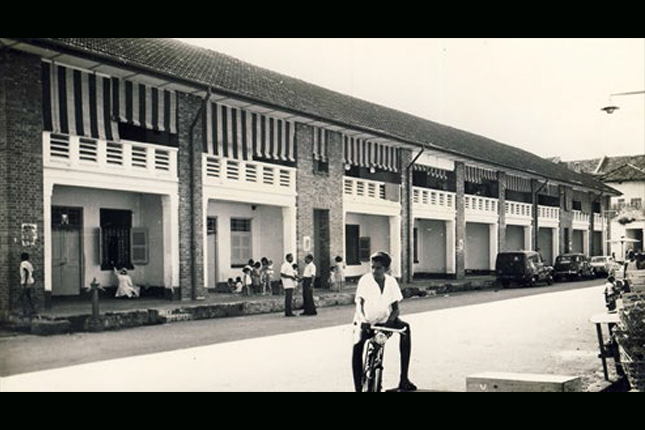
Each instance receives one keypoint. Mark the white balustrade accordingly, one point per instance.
(482, 205)
(98, 156)
(248, 175)
(364, 189)
(429, 199)
(579, 216)
(549, 212)
(518, 209)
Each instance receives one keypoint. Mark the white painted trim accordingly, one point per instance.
(369, 208)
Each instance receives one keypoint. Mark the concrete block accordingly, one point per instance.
(500, 382)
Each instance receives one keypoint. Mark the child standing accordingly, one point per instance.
(338, 274)
(256, 277)
(26, 286)
(267, 276)
(239, 286)
(246, 280)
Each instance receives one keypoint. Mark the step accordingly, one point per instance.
(490, 382)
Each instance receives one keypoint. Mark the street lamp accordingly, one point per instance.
(612, 108)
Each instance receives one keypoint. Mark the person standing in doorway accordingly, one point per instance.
(27, 286)
(289, 279)
(308, 277)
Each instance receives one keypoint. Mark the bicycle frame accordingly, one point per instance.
(373, 359)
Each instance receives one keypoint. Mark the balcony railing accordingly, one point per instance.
(549, 212)
(433, 199)
(251, 175)
(580, 217)
(481, 205)
(364, 189)
(98, 156)
(518, 209)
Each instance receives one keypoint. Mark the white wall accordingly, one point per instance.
(377, 228)
(146, 212)
(431, 235)
(630, 190)
(477, 245)
(577, 240)
(267, 233)
(545, 243)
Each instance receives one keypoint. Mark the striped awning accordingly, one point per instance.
(517, 183)
(432, 171)
(77, 102)
(477, 175)
(144, 106)
(320, 144)
(239, 134)
(365, 153)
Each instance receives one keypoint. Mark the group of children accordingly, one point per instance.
(257, 277)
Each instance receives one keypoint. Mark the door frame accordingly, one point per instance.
(81, 244)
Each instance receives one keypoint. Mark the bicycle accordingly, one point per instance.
(373, 358)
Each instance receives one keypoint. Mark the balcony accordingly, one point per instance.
(433, 204)
(518, 213)
(580, 220)
(254, 181)
(117, 159)
(367, 196)
(481, 209)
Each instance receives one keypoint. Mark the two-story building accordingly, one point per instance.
(626, 212)
(182, 164)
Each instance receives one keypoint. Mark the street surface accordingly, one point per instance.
(539, 330)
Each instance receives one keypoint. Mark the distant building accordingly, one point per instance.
(182, 164)
(626, 212)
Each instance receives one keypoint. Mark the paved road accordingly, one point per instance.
(524, 330)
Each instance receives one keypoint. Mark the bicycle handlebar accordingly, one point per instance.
(391, 330)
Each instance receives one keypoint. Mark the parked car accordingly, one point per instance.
(572, 266)
(523, 268)
(603, 265)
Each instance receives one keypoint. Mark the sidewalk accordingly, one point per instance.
(117, 314)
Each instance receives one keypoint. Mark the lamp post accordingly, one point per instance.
(611, 108)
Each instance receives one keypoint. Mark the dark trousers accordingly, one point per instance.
(27, 302)
(309, 308)
(405, 348)
(288, 301)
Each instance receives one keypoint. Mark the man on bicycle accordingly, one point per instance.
(377, 302)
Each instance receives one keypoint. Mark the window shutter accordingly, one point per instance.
(139, 246)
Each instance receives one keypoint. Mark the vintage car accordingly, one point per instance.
(572, 266)
(523, 268)
(603, 265)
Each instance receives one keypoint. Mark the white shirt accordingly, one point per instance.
(287, 269)
(29, 279)
(310, 271)
(377, 305)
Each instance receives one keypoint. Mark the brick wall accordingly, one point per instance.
(501, 231)
(21, 167)
(191, 279)
(460, 221)
(566, 216)
(407, 221)
(319, 191)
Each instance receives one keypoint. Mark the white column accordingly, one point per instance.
(585, 242)
(205, 240)
(556, 243)
(289, 239)
(450, 247)
(170, 208)
(528, 237)
(395, 244)
(492, 245)
(48, 192)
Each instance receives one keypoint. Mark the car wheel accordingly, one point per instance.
(506, 284)
(549, 280)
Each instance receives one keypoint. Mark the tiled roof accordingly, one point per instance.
(181, 61)
(625, 173)
(607, 164)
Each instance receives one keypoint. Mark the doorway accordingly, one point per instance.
(67, 251)
(321, 246)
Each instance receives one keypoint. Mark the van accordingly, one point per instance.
(522, 267)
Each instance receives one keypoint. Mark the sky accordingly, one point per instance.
(540, 95)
